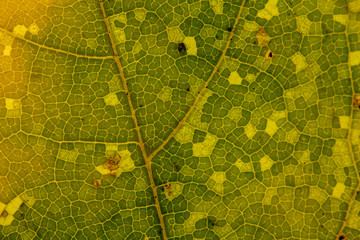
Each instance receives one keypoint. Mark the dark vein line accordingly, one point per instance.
(181, 123)
(141, 143)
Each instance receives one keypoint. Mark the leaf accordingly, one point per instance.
(216, 119)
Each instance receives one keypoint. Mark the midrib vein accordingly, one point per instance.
(141, 143)
(181, 123)
(53, 49)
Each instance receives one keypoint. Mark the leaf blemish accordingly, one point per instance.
(181, 48)
(342, 237)
(113, 162)
(4, 213)
(262, 37)
(97, 184)
(269, 54)
(356, 101)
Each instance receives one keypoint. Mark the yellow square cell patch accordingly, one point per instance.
(13, 107)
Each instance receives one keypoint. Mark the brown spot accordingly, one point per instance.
(342, 237)
(113, 162)
(262, 37)
(4, 213)
(97, 183)
(167, 189)
(269, 54)
(356, 101)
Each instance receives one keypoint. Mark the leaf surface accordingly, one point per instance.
(212, 119)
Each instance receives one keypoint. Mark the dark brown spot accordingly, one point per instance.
(269, 54)
(342, 237)
(181, 47)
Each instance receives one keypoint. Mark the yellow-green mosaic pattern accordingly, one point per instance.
(168, 119)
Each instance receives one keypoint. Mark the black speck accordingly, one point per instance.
(254, 42)
(342, 237)
(141, 105)
(181, 48)
(188, 89)
(270, 55)
(216, 36)
(229, 29)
